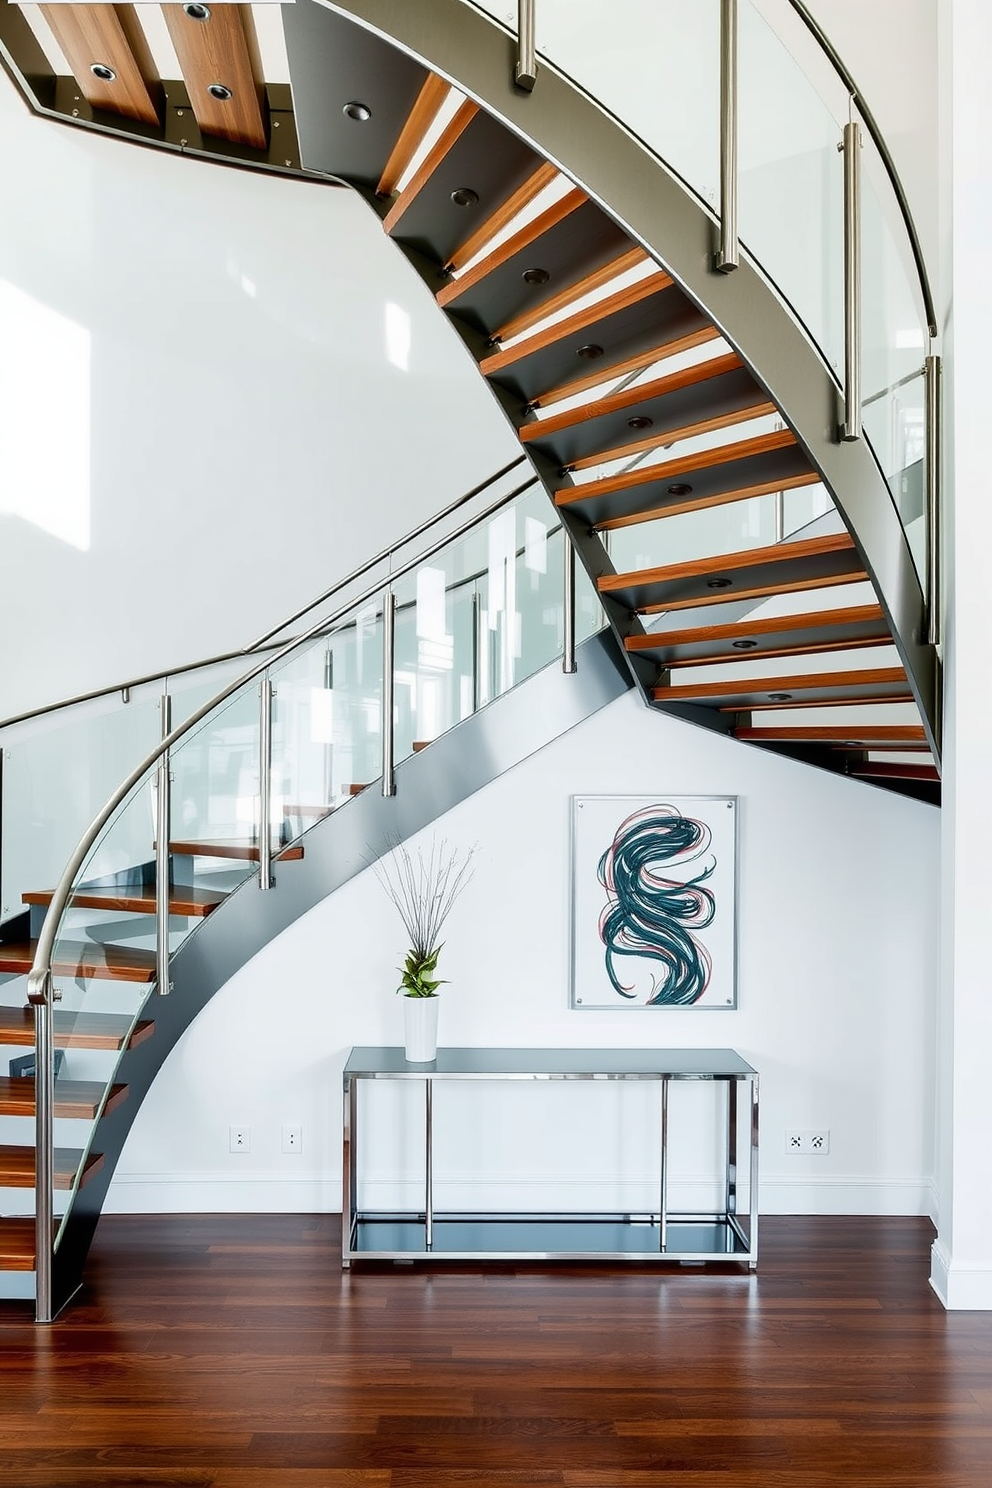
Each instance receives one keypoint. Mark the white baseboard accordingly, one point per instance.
(320, 1192)
(960, 1289)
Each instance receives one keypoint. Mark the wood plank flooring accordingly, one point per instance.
(232, 1352)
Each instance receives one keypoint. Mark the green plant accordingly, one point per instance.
(423, 890)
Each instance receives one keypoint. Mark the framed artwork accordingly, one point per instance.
(654, 902)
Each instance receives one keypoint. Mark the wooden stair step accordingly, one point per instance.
(568, 240)
(485, 232)
(232, 847)
(74, 1030)
(474, 154)
(188, 902)
(693, 399)
(16, 1244)
(74, 1099)
(759, 466)
(886, 684)
(896, 770)
(844, 736)
(684, 333)
(78, 959)
(18, 1167)
(613, 329)
(415, 126)
(333, 59)
(783, 568)
(778, 635)
(113, 36)
(226, 44)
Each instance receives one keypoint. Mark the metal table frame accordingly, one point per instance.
(427, 1235)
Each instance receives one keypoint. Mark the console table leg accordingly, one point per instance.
(429, 1162)
(349, 1180)
(753, 1232)
(730, 1198)
(663, 1196)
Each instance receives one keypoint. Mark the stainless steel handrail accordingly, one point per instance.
(262, 641)
(525, 75)
(40, 988)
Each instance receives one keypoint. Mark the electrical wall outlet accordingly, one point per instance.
(808, 1140)
(240, 1138)
(292, 1138)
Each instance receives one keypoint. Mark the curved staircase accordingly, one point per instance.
(752, 566)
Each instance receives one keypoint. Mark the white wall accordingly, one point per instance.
(200, 424)
(837, 977)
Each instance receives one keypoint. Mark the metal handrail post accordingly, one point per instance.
(728, 257)
(568, 606)
(526, 71)
(265, 784)
(388, 638)
(41, 994)
(851, 147)
(163, 838)
(933, 497)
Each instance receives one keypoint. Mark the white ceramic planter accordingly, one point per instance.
(420, 1028)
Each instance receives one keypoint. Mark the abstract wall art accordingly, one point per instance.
(654, 902)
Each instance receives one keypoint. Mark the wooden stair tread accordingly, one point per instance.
(781, 568)
(415, 126)
(18, 1167)
(558, 240)
(17, 1244)
(851, 735)
(779, 635)
(896, 770)
(711, 477)
(673, 406)
(499, 220)
(476, 152)
(684, 334)
(189, 902)
(74, 1030)
(885, 684)
(74, 1099)
(232, 847)
(78, 959)
(618, 326)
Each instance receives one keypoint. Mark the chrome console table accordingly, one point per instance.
(659, 1236)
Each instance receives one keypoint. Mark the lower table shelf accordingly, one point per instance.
(556, 1237)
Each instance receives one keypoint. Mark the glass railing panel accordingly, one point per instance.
(327, 722)
(894, 424)
(894, 348)
(58, 771)
(653, 63)
(477, 618)
(791, 208)
(215, 794)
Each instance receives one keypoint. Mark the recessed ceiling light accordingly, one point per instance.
(743, 645)
(591, 352)
(535, 276)
(680, 489)
(197, 12)
(220, 91)
(103, 72)
(640, 421)
(718, 583)
(358, 112)
(779, 697)
(464, 196)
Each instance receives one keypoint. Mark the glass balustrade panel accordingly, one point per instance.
(58, 771)
(477, 618)
(655, 64)
(215, 796)
(327, 722)
(894, 348)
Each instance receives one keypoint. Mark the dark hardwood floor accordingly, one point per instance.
(232, 1351)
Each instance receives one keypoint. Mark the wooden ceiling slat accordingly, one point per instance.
(222, 50)
(109, 36)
